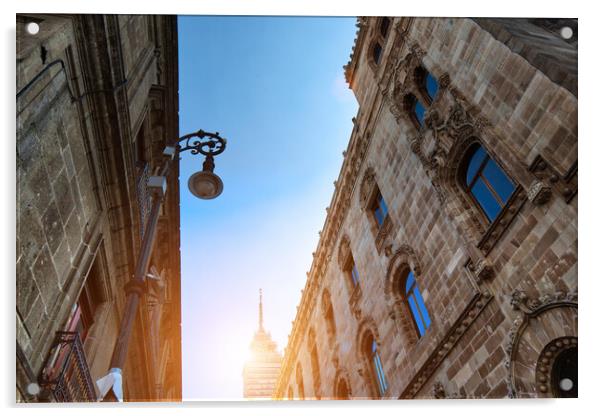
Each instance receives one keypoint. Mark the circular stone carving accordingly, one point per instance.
(546, 382)
(537, 341)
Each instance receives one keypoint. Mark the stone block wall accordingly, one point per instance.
(83, 92)
(497, 293)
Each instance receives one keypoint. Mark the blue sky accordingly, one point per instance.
(274, 87)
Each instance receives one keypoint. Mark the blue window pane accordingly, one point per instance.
(486, 200)
(498, 180)
(422, 307)
(355, 276)
(416, 315)
(475, 163)
(380, 373)
(409, 281)
(431, 86)
(383, 206)
(419, 112)
(378, 214)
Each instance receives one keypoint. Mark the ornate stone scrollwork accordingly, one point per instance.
(344, 252)
(562, 307)
(402, 82)
(367, 188)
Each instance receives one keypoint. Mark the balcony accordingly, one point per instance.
(66, 376)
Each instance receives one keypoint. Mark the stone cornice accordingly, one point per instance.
(360, 34)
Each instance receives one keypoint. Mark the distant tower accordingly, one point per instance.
(261, 370)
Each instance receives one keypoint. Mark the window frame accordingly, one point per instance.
(378, 370)
(467, 187)
(376, 52)
(353, 278)
(408, 294)
(421, 75)
(377, 206)
(409, 104)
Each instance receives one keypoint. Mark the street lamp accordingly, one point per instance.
(204, 185)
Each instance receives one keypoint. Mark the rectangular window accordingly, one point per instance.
(482, 193)
(380, 209)
(355, 275)
(82, 314)
(380, 372)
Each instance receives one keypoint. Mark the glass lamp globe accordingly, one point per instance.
(205, 185)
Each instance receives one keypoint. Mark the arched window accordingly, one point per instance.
(485, 181)
(376, 52)
(431, 85)
(415, 109)
(377, 366)
(299, 377)
(564, 374)
(415, 301)
(379, 209)
(426, 83)
(342, 390)
(352, 274)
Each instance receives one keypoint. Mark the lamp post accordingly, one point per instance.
(204, 185)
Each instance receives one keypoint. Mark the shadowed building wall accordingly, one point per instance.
(97, 100)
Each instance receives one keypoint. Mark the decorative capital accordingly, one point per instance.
(539, 193)
(483, 270)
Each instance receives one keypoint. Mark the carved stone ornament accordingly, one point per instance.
(531, 308)
(354, 302)
(539, 193)
(344, 252)
(440, 393)
(384, 237)
(439, 390)
(403, 81)
(482, 270)
(367, 187)
(550, 180)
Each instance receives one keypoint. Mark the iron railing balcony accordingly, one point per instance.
(66, 376)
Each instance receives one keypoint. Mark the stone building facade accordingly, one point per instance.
(447, 265)
(97, 98)
(261, 371)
